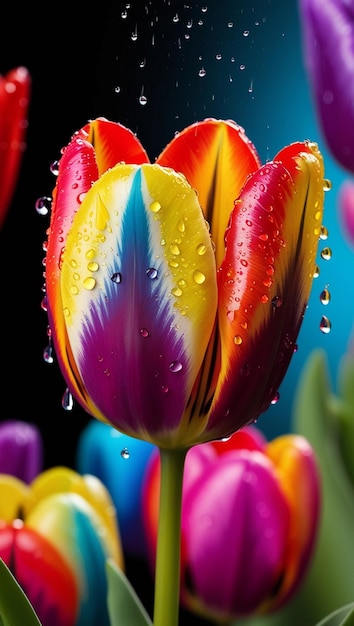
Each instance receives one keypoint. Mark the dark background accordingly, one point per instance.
(88, 62)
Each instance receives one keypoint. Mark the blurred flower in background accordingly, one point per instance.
(328, 42)
(55, 536)
(21, 449)
(15, 87)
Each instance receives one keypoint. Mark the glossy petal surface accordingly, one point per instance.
(15, 88)
(93, 150)
(328, 40)
(138, 287)
(216, 157)
(265, 282)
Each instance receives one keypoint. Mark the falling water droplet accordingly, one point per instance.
(43, 205)
(48, 354)
(325, 296)
(276, 398)
(125, 454)
(326, 254)
(325, 325)
(67, 401)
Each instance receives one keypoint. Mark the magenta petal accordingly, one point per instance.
(346, 209)
(21, 450)
(235, 527)
(328, 38)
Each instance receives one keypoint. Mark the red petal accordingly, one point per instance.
(14, 102)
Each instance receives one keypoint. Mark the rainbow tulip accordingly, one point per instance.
(55, 536)
(176, 290)
(250, 516)
(15, 89)
(328, 42)
(21, 449)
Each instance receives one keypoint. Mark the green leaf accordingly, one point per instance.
(124, 606)
(342, 617)
(317, 416)
(15, 608)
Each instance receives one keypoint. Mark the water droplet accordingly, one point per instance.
(116, 278)
(323, 233)
(155, 207)
(174, 249)
(326, 254)
(276, 398)
(237, 340)
(92, 266)
(199, 277)
(54, 168)
(325, 325)
(246, 33)
(67, 401)
(89, 283)
(175, 366)
(277, 301)
(142, 100)
(125, 454)
(202, 72)
(325, 296)
(144, 332)
(327, 185)
(151, 273)
(43, 205)
(48, 354)
(316, 272)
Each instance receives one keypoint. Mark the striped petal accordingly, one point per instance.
(94, 149)
(265, 281)
(138, 288)
(15, 89)
(216, 157)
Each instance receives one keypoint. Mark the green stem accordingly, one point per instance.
(167, 574)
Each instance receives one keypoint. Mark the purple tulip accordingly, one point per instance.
(346, 209)
(328, 41)
(21, 450)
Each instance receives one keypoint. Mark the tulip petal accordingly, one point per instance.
(296, 466)
(97, 147)
(328, 41)
(265, 282)
(226, 538)
(15, 89)
(138, 287)
(216, 157)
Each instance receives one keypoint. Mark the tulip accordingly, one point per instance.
(55, 536)
(328, 43)
(119, 462)
(15, 89)
(346, 209)
(250, 515)
(176, 290)
(21, 449)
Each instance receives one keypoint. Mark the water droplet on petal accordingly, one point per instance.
(151, 273)
(199, 277)
(144, 332)
(175, 366)
(276, 398)
(155, 207)
(89, 283)
(116, 277)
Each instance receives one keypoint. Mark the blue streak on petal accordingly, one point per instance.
(131, 333)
